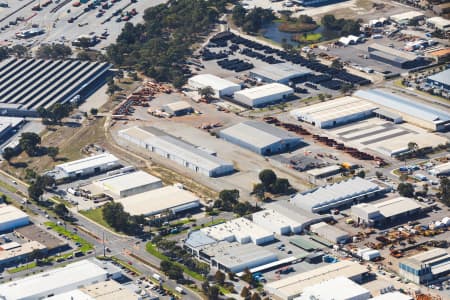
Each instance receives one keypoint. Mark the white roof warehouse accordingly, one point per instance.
(90, 165)
(220, 86)
(264, 94)
(12, 217)
(187, 155)
(169, 198)
(261, 138)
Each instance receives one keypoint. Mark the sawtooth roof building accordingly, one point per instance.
(261, 138)
(181, 152)
(327, 197)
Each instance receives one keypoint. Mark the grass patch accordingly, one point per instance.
(296, 27)
(151, 248)
(28, 266)
(8, 187)
(85, 245)
(308, 37)
(96, 215)
(214, 222)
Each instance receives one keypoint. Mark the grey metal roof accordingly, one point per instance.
(392, 51)
(258, 133)
(197, 239)
(280, 72)
(404, 105)
(387, 113)
(389, 56)
(441, 77)
(334, 193)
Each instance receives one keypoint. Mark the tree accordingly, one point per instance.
(94, 111)
(238, 15)
(267, 177)
(231, 276)
(219, 277)
(61, 210)
(413, 147)
(29, 142)
(8, 153)
(119, 75)
(19, 51)
(4, 53)
(213, 293)
(227, 199)
(361, 174)
(406, 189)
(403, 177)
(245, 292)
(445, 190)
(206, 92)
(259, 191)
(280, 186)
(255, 296)
(321, 97)
(54, 51)
(337, 64)
(247, 276)
(240, 208)
(378, 174)
(53, 152)
(35, 192)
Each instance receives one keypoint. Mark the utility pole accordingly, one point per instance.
(104, 248)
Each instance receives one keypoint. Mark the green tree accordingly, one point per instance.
(20, 51)
(53, 152)
(267, 177)
(337, 64)
(445, 190)
(280, 186)
(8, 153)
(219, 277)
(94, 111)
(378, 174)
(206, 92)
(361, 174)
(406, 189)
(245, 292)
(29, 142)
(35, 192)
(259, 191)
(240, 208)
(61, 210)
(255, 296)
(213, 293)
(4, 53)
(238, 15)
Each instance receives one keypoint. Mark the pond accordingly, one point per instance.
(272, 32)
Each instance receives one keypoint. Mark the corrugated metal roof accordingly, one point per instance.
(280, 72)
(441, 77)
(404, 105)
(406, 56)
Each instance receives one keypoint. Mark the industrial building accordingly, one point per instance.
(281, 73)
(368, 254)
(103, 290)
(440, 80)
(235, 257)
(385, 212)
(293, 286)
(335, 112)
(264, 94)
(284, 218)
(323, 172)
(327, 197)
(84, 167)
(59, 280)
(167, 199)
(239, 230)
(440, 170)
(407, 17)
(393, 296)
(53, 244)
(261, 138)
(220, 86)
(394, 57)
(426, 266)
(330, 233)
(128, 184)
(8, 125)
(13, 253)
(179, 108)
(12, 218)
(189, 156)
(339, 288)
(439, 23)
(28, 84)
(413, 112)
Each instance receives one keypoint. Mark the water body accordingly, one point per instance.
(272, 32)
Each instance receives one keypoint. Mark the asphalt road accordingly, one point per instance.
(120, 246)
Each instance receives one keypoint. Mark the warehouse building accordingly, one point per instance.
(293, 286)
(167, 199)
(284, 218)
(407, 17)
(394, 57)
(14, 253)
(385, 212)
(104, 290)
(53, 244)
(413, 112)
(330, 233)
(128, 184)
(179, 108)
(59, 280)
(393, 296)
(426, 266)
(85, 167)
(220, 86)
(441, 9)
(261, 138)
(440, 80)
(28, 84)
(281, 73)
(8, 125)
(327, 197)
(235, 257)
(335, 112)
(441, 170)
(264, 94)
(439, 23)
(323, 172)
(187, 155)
(12, 218)
(239, 230)
(339, 288)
